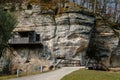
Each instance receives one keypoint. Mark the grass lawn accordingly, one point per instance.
(21, 75)
(7, 77)
(84, 74)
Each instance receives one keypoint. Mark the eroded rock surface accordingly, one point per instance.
(67, 36)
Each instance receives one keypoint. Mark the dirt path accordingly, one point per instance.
(53, 75)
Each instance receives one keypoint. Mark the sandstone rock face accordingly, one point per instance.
(26, 60)
(103, 42)
(115, 56)
(68, 35)
(65, 36)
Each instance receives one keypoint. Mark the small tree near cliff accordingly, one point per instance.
(7, 24)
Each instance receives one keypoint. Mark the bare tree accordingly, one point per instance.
(94, 8)
(115, 10)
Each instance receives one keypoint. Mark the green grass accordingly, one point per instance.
(7, 77)
(21, 75)
(83, 74)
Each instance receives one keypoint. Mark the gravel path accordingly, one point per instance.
(53, 75)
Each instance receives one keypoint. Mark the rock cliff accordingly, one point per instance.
(103, 42)
(63, 36)
(67, 35)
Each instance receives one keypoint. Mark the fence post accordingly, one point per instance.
(18, 71)
(41, 68)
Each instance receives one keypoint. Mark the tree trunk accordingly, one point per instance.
(94, 9)
(104, 7)
(115, 10)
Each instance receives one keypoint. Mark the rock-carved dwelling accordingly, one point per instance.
(41, 40)
(65, 43)
(27, 50)
(26, 41)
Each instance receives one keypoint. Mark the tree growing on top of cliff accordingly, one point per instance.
(7, 24)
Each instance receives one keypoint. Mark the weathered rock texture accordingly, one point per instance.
(65, 36)
(25, 59)
(103, 42)
(115, 56)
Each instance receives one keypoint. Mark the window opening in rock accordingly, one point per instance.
(29, 7)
